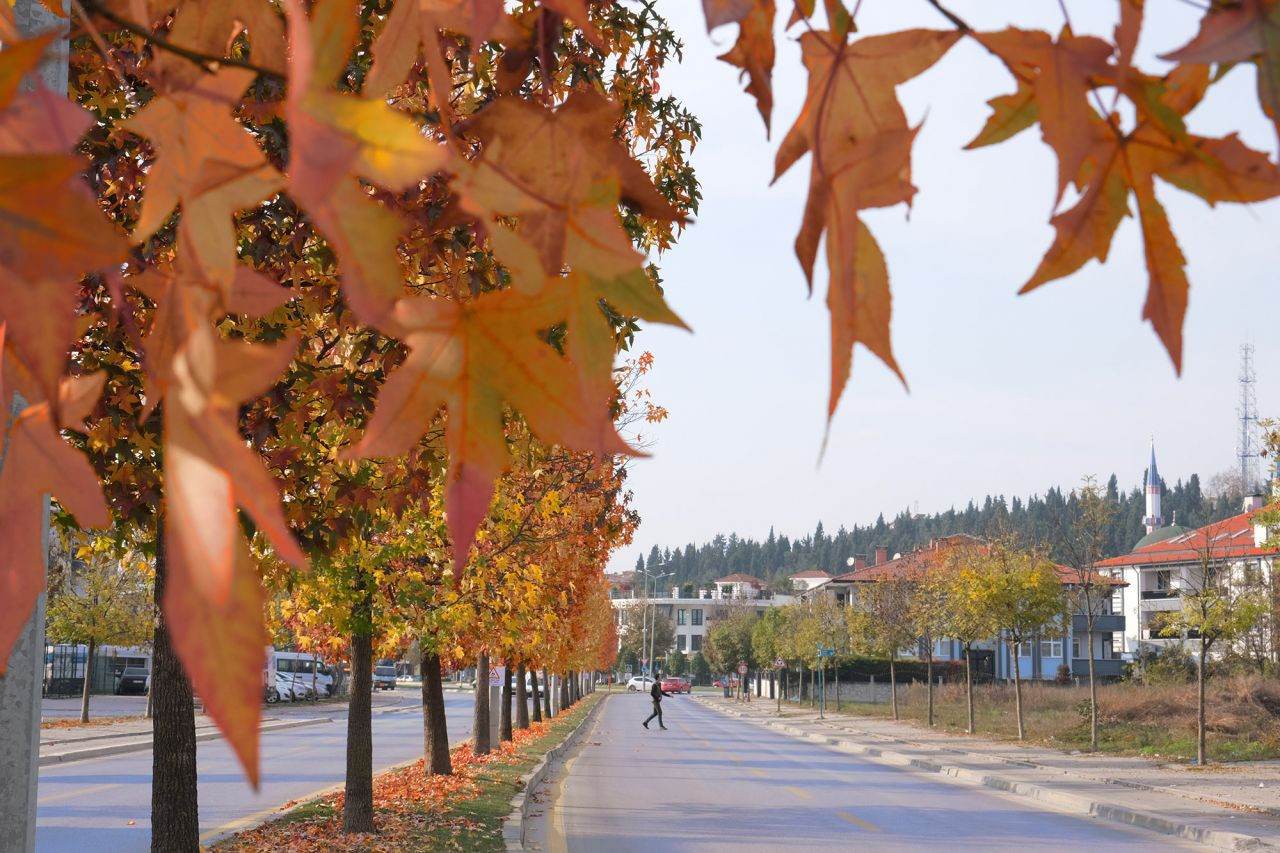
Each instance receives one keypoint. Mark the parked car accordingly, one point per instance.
(732, 682)
(132, 679)
(284, 687)
(642, 683)
(676, 684)
(384, 678)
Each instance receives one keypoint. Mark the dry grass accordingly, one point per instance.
(1242, 716)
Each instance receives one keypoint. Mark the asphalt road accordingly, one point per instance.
(716, 783)
(88, 805)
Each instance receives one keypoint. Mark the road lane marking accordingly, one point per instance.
(67, 795)
(857, 821)
(758, 772)
(799, 792)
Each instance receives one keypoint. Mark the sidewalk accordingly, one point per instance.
(1232, 807)
(60, 745)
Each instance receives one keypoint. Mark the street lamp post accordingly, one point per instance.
(646, 633)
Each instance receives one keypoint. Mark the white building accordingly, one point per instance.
(1170, 562)
(692, 616)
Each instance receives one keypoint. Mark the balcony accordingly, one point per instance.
(1102, 667)
(1103, 623)
(1167, 592)
(1165, 602)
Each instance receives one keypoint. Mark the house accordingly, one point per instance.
(1170, 562)
(1038, 659)
(804, 581)
(693, 616)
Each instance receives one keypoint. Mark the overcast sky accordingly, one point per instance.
(1008, 394)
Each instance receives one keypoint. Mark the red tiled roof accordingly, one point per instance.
(1230, 539)
(739, 577)
(812, 573)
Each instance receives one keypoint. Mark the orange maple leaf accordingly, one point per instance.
(474, 358)
(213, 601)
(336, 138)
(37, 462)
(753, 51)
(1247, 31)
(857, 132)
(207, 162)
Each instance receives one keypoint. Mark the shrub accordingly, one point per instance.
(1173, 665)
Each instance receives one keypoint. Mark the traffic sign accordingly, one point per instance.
(742, 669)
(826, 653)
(779, 663)
(496, 674)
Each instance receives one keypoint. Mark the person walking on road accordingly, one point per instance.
(657, 693)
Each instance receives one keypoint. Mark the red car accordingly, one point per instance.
(675, 684)
(732, 682)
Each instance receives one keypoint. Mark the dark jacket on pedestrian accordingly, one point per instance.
(657, 692)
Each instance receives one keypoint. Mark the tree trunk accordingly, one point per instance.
(546, 693)
(480, 717)
(522, 698)
(1200, 673)
(1093, 693)
(893, 686)
(537, 696)
(837, 672)
(565, 701)
(1017, 692)
(435, 728)
(175, 814)
(929, 679)
(88, 682)
(968, 684)
(357, 810)
(813, 693)
(504, 713)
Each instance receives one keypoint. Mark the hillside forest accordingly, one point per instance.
(1039, 520)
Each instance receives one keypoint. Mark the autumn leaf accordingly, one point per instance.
(576, 12)
(214, 604)
(1127, 31)
(414, 26)
(855, 128)
(221, 644)
(207, 162)
(209, 28)
(17, 60)
(335, 139)
(549, 169)
(37, 462)
(753, 51)
(475, 358)
(1247, 31)
(1010, 115)
(1065, 69)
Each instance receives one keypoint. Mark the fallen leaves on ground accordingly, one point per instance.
(409, 804)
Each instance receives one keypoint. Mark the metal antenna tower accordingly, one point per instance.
(1247, 412)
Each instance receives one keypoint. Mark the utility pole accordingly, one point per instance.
(20, 685)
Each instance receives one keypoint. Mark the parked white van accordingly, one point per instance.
(308, 675)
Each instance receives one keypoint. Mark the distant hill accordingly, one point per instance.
(1037, 519)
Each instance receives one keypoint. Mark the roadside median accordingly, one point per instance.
(1089, 791)
(414, 810)
(137, 738)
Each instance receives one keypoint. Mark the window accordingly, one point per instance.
(1050, 648)
(1075, 647)
(680, 640)
(1163, 580)
(696, 614)
(1117, 600)
(1109, 645)
(1024, 649)
(682, 616)
(695, 641)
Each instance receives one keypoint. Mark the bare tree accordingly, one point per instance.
(1082, 541)
(1218, 603)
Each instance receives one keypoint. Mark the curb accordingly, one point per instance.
(142, 743)
(1071, 802)
(513, 825)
